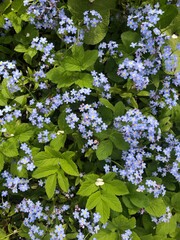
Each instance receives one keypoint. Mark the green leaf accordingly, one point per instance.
(119, 109)
(103, 209)
(93, 200)
(71, 64)
(4, 5)
(90, 57)
(16, 5)
(87, 188)
(139, 199)
(167, 228)
(20, 48)
(116, 187)
(175, 201)
(1, 162)
(69, 167)
(50, 185)
(122, 223)
(58, 142)
(112, 201)
(9, 148)
(143, 93)
(3, 235)
(156, 207)
(119, 141)
(15, 20)
(104, 149)
(23, 132)
(41, 172)
(63, 181)
(104, 234)
(129, 37)
(170, 12)
(106, 103)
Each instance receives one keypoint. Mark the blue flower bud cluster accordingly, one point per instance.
(9, 71)
(91, 19)
(101, 82)
(108, 49)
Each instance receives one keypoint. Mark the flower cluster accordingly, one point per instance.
(9, 71)
(108, 49)
(26, 161)
(91, 19)
(86, 221)
(67, 30)
(87, 123)
(164, 218)
(16, 183)
(135, 126)
(43, 14)
(101, 82)
(151, 41)
(151, 186)
(7, 115)
(7, 25)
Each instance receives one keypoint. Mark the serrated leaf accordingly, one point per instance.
(71, 64)
(104, 149)
(50, 185)
(23, 132)
(105, 235)
(63, 181)
(69, 167)
(93, 200)
(112, 201)
(41, 172)
(87, 188)
(103, 209)
(58, 142)
(116, 187)
(122, 223)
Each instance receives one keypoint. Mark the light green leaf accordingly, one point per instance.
(15, 20)
(41, 172)
(71, 64)
(104, 149)
(20, 48)
(87, 188)
(167, 228)
(9, 148)
(106, 103)
(156, 207)
(122, 223)
(23, 132)
(93, 200)
(103, 209)
(63, 181)
(105, 234)
(112, 201)
(50, 185)
(175, 201)
(116, 187)
(139, 199)
(58, 142)
(1, 162)
(69, 167)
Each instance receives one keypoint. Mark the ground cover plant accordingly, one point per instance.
(89, 119)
